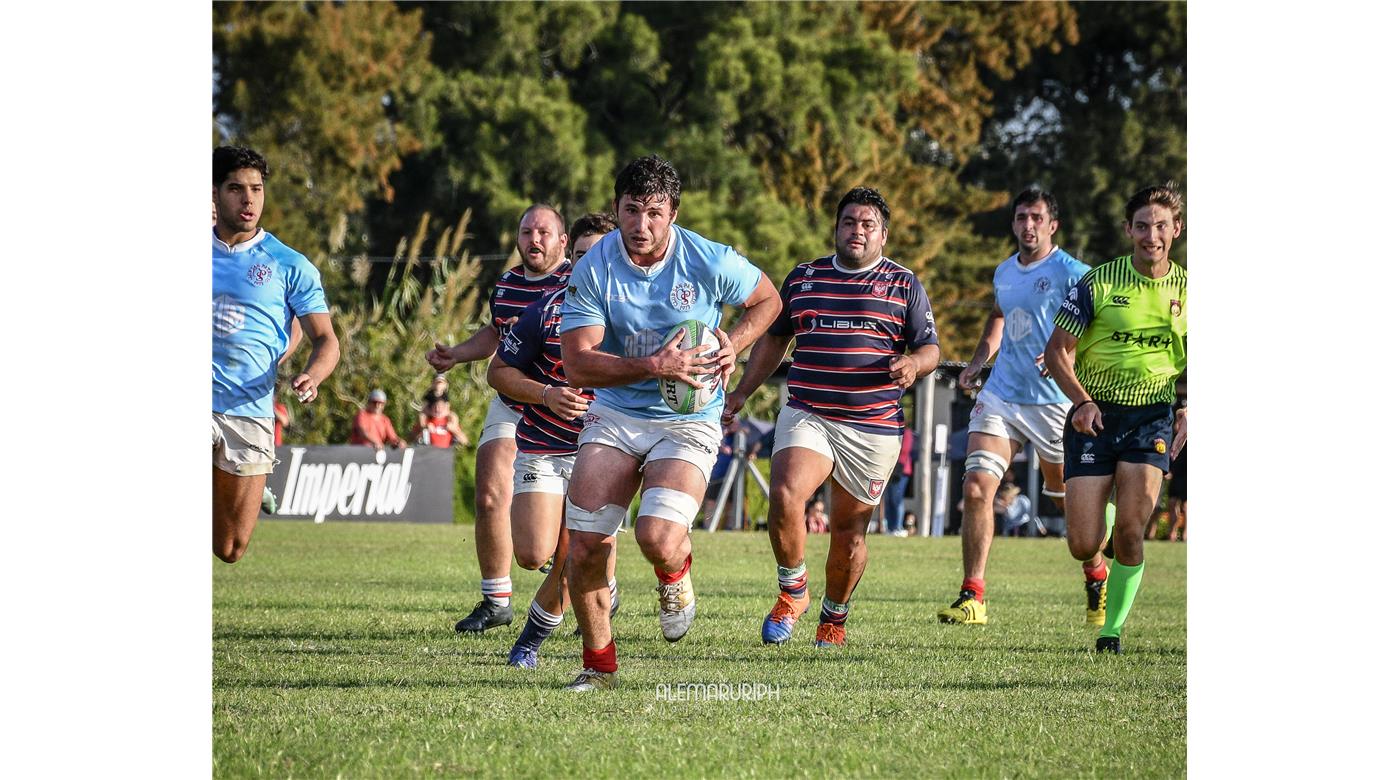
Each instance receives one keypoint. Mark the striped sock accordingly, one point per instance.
(833, 612)
(612, 595)
(496, 591)
(539, 624)
(793, 581)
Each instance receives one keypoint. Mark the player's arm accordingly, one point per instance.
(921, 337)
(325, 354)
(293, 341)
(905, 370)
(587, 365)
(767, 354)
(986, 347)
(760, 309)
(1074, 316)
(566, 402)
(478, 346)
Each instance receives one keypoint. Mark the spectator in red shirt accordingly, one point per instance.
(437, 424)
(372, 426)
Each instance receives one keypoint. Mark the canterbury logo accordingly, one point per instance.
(1120, 300)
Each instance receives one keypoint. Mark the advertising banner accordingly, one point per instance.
(413, 485)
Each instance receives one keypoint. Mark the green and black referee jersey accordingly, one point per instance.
(1131, 331)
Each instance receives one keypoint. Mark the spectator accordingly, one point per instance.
(372, 426)
(1012, 508)
(437, 423)
(817, 521)
(911, 524)
(899, 482)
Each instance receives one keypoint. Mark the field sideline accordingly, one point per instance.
(334, 654)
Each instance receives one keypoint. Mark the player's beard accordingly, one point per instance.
(546, 264)
(849, 260)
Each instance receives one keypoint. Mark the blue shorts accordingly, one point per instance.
(1131, 434)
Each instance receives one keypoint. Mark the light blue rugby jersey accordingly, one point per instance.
(259, 285)
(636, 308)
(1028, 297)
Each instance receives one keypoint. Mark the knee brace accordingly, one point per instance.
(990, 462)
(674, 505)
(604, 520)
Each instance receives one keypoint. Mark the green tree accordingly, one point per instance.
(329, 94)
(1093, 123)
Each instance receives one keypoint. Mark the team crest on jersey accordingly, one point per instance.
(1042, 285)
(877, 486)
(1176, 308)
(259, 274)
(810, 270)
(880, 289)
(683, 296)
(500, 291)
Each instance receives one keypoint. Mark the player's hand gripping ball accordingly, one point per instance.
(681, 397)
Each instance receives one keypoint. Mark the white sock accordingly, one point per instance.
(496, 591)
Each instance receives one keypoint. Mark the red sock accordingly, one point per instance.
(976, 586)
(1092, 573)
(604, 660)
(666, 578)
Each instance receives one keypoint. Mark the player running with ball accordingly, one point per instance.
(1119, 345)
(623, 297)
(853, 314)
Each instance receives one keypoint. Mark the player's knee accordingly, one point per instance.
(585, 554)
(490, 503)
(986, 462)
(530, 560)
(1082, 547)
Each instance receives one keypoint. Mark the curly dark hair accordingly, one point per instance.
(595, 224)
(1166, 195)
(865, 196)
(649, 176)
(228, 159)
(1030, 195)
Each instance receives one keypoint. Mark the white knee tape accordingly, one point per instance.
(667, 504)
(990, 462)
(605, 520)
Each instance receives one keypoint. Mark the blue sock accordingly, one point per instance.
(538, 626)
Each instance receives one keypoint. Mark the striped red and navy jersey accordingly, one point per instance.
(532, 345)
(849, 325)
(514, 291)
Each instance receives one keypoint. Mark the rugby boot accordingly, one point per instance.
(830, 635)
(523, 658)
(1108, 644)
(486, 615)
(777, 626)
(677, 607)
(1097, 591)
(590, 680)
(967, 610)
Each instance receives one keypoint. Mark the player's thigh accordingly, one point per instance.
(1086, 497)
(534, 523)
(1054, 474)
(495, 466)
(603, 475)
(1137, 486)
(848, 513)
(236, 502)
(797, 473)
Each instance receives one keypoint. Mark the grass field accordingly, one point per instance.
(334, 654)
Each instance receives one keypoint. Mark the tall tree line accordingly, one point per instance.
(375, 114)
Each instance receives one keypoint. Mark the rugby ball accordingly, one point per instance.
(681, 397)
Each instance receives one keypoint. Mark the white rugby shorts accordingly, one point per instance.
(1042, 425)
(243, 445)
(500, 422)
(861, 461)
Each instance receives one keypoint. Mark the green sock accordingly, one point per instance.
(1123, 583)
(1110, 514)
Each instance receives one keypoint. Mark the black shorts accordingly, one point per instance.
(1177, 487)
(1131, 434)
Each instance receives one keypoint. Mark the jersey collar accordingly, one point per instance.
(243, 247)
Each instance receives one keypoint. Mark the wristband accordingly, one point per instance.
(1075, 408)
(544, 395)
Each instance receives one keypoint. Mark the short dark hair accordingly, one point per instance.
(431, 397)
(594, 224)
(1030, 195)
(1167, 195)
(648, 176)
(865, 196)
(228, 159)
(543, 207)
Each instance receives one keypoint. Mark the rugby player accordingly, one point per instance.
(260, 285)
(1118, 346)
(544, 268)
(1020, 404)
(854, 314)
(630, 289)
